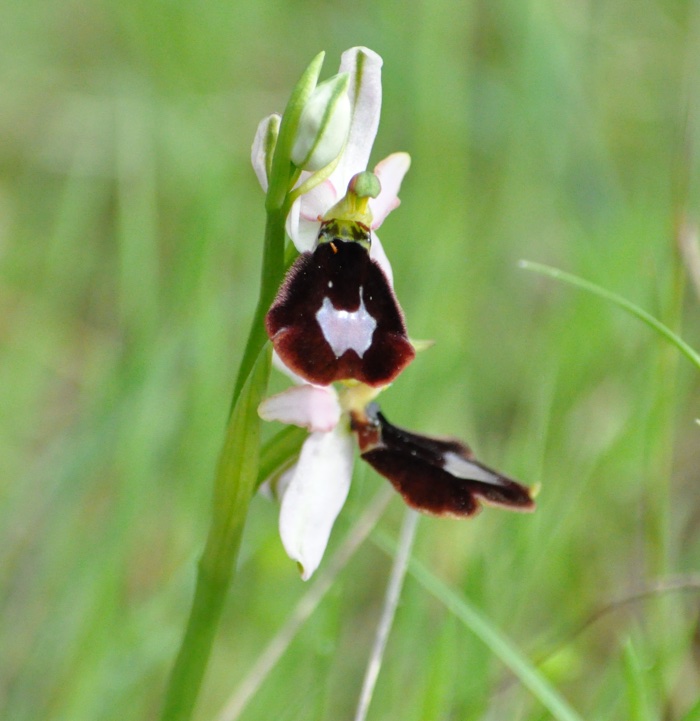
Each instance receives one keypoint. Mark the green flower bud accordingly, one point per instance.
(324, 125)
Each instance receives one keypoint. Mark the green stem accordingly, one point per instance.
(236, 479)
(271, 277)
(660, 441)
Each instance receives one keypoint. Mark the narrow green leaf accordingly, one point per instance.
(279, 452)
(236, 478)
(637, 691)
(237, 471)
(499, 644)
(635, 310)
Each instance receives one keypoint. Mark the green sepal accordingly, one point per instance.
(237, 470)
(282, 168)
(323, 125)
(236, 478)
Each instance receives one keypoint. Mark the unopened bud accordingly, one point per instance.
(324, 125)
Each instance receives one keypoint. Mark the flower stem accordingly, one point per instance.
(271, 276)
(237, 471)
(235, 484)
(236, 478)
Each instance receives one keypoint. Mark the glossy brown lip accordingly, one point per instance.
(340, 277)
(436, 476)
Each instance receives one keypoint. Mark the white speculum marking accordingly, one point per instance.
(344, 329)
(462, 468)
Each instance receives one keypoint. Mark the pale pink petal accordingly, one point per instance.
(303, 220)
(316, 492)
(365, 91)
(376, 252)
(317, 201)
(307, 235)
(291, 224)
(303, 233)
(312, 407)
(390, 172)
(260, 149)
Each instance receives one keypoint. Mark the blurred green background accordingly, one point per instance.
(130, 241)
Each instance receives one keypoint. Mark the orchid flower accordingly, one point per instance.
(336, 316)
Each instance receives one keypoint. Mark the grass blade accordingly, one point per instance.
(618, 300)
(391, 602)
(236, 475)
(497, 642)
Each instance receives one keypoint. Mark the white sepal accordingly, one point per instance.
(264, 147)
(316, 492)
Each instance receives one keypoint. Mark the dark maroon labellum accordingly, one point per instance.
(436, 476)
(336, 317)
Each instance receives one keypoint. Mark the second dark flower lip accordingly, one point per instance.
(336, 318)
(437, 476)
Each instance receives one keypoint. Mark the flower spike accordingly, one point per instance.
(336, 318)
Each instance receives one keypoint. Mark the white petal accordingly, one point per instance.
(303, 221)
(390, 172)
(274, 488)
(263, 145)
(365, 91)
(291, 224)
(316, 202)
(307, 406)
(376, 252)
(306, 234)
(314, 497)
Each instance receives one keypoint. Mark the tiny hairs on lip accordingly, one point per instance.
(336, 318)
